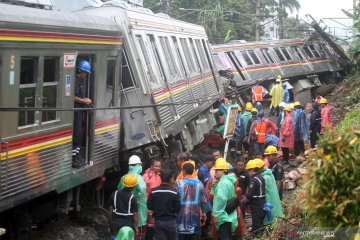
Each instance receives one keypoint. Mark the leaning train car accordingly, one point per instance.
(39, 50)
(171, 69)
(305, 64)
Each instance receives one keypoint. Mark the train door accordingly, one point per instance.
(87, 116)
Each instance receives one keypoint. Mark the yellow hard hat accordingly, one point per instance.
(323, 101)
(297, 103)
(279, 77)
(221, 165)
(251, 164)
(270, 150)
(239, 109)
(254, 110)
(259, 162)
(130, 180)
(248, 106)
(287, 108)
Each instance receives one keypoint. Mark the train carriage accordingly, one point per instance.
(38, 54)
(305, 63)
(172, 67)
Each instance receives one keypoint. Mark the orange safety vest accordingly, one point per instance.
(260, 131)
(258, 93)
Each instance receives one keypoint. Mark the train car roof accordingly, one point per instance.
(145, 18)
(255, 44)
(23, 16)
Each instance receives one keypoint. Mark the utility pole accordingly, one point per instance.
(257, 27)
(169, 7)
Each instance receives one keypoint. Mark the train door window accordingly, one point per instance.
(50, 88)
(187, 53)
(314, 51)
(308, 52)
(246, 58)
(285, 53)
(236, 63)
(279, 54)
(218, 63)
(156, 56)
(150, 70)
(110, 81)
(180, 59)
(170, 60)
(266, 55)
(27, 96)
(127, 75)
(254, 57)
(195, 54)
(297, 52)
(201, 51)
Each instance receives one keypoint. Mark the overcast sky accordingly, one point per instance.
(320, 9)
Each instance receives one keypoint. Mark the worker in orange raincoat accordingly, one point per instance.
(326, 117)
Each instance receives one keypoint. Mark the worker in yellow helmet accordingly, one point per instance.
(255, 196)
(276, 168)
(301, 132)
(123, 207)
(277, 96)
(225, 219)
(247, 116)
(326, 116)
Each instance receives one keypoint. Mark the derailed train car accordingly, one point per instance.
(304, 63)
(152, 77)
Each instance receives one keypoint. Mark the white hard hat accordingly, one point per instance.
(134, 160)
(282, 104)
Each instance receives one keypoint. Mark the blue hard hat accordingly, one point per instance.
(84, 66)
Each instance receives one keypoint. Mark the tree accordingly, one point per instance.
(296, 29)
(283, 6)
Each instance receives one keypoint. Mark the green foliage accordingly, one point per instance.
(352, 119)
(295, 29)
(333, 184)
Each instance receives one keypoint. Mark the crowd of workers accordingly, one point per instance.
(163, 204)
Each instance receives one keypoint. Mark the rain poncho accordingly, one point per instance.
(286, 139)
(125, 233)
(326, 119)
(301, 132)
(192, 198)
(139, 192)
(286, 95)
(246, 116)
(271, 127)
(223, 192)
(239, 133)
(271, 140)
(272, 195)
(223, 109)
(277, 95)
(151, 182)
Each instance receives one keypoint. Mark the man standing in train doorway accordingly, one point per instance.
(82, 70)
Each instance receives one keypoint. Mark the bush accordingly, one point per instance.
(333, 184)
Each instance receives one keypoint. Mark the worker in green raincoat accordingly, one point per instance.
(139, 192)
(125, 233)
(271, 192)
(226, 223)
(277, 95)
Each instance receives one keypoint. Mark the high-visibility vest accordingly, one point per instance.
(258, 93)
(260, 131)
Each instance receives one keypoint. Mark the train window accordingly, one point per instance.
(127, 75)
(246, 57)
(149, 68)
(254, 57)
(50, 87)
(180, 59)
(314, 51)
(110, 81)
(201, 51)
(187, 53)
(267, 56)
(27, 96)
(308, 52)
(279, 54)
(297, 52)
(236, 63)
(218, 63)
(195, 54)
(285, 53)
(170, 60)
(156, 56)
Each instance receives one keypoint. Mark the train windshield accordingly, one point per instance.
(70, 5)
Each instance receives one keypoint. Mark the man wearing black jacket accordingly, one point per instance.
(165, 204)
(315, 124)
